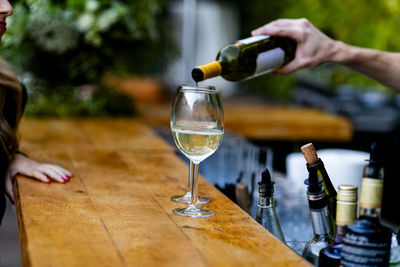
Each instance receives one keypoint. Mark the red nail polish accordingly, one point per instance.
(12, 201)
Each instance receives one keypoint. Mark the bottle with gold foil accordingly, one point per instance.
(346, 214)
(315, 163)
(367, 242)
(248, 58)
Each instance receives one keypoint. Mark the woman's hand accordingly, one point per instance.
(28, 167)
(313, 47)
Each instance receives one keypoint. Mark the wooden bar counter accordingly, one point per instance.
(269, 122)
(116, 210)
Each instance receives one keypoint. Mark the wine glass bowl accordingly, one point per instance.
(197, 125)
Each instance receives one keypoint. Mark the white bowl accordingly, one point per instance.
(342, 165)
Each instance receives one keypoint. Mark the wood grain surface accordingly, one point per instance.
(116, 210)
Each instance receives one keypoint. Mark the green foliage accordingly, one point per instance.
(373, 24)
(66, 102)
(68, 43)
(78, 40)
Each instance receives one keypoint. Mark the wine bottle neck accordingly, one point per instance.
(318, 165)
(372, 213)
(266, 202)
(340, 229)
(207, 71)
(371, 197)
(320, 222)
(346, 208)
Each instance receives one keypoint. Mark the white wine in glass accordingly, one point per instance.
(197, 142)
(197, 124)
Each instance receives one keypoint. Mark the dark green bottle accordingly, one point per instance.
(248, 58)
(315, 163)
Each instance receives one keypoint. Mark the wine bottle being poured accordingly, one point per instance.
(248, 58)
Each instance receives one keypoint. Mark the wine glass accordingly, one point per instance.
(197, 124)
(185, 199)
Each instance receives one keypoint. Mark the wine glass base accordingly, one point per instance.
(185, 199)
(193, 211)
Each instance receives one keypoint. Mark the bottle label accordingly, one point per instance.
(270, 60)
(371, 193)
(253, 39)
(366, 246)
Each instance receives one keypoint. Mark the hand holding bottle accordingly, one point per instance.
(313, 47)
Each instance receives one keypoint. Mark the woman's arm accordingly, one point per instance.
(315, 48)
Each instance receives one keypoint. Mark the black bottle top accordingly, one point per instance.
(266, 186)
(330, 256)
(315, 191)
(374, 163)
(314, 183)
(373, 153)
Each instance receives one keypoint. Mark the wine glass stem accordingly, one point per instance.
(191, 168)
(194, 173)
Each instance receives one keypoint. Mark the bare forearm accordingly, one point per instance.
(378, 65)
(315, 48)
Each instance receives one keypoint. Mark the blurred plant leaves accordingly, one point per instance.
(58, 44)
(56, 33)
